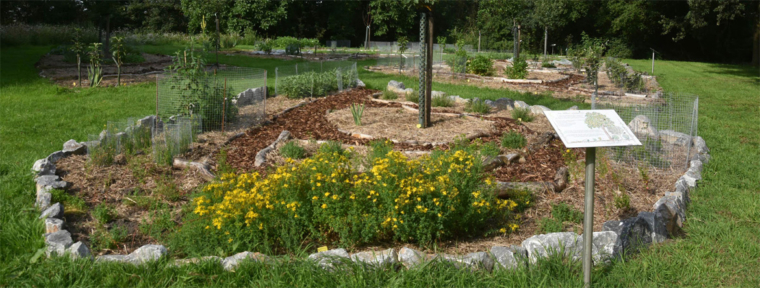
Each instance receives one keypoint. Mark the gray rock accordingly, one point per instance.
(510, 158)
(669, 218)
(521, 104)
(540, 246)
(103, 135)
(43, 200)
(607, 246)
(503, 188)
(561, 179)
(146, 121)
(55, 156)
(701, 145)
(79, 250)
(538, 109)
(657, 225)
(188, 261)
(396, 86)
(642, 126)
(696, 165)
(489, 103)
(691, 178)
(407, 91)
(47, 182)
(410, 257)
(508, 257)
(147, 253)
(377, 258)
(437, 94)
(470, 261)
(504, 103)
(360, 83)
(114, 258)
(633, 233)
(681, 199)
(331, 258)
(562, 62)
(43, 167)
(57, 242)
(674, 207)
(72, 147)
(492, 163)
(232, 262)
(673, 137)
(54, 211)
(53, 225)
(683, 188)
(575, 107)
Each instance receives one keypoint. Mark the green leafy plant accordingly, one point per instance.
(561, 213)
(622, 201)
(547, 64)
(518, 70)
(265, 46)
(292, 150)
(389, 95)
(71, 203)
(513, 140)
(477, 106)
(412, 96)
(118, 53)
(94, 71)
(331, 147)
(442, 101)
(441, 40)
(316, 84)
(78, 47)
(357, 110)
(103, 213)
(229, 41)
(550, 225)
(522, 114)
(481, 65)
(403, 43)
(458, 64)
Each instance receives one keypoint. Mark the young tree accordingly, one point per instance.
(402, 47)
(118, 52)
(95, 72)
(78, 48)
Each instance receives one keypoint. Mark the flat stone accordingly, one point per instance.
(541, 246)
(642, 126)
(407, 91)
(701, 145)
(539, 109)
(489, 103)
(504, 103)
(189, 261)
(147, 121)
(57, 242)
(521, 104)
(410, 257)
(492, 163)
(360, 83)
(232, 262)
(457, 99)
(54, 211)
(607, 246)
(72, 147)
(53, 225)
(43, 167)
(331, 258)
(55, 156)
(147, 253)
(681, 198)
(472, 261)
(676, 138)
(47, 182)
(656, 224)
(79, 250)
(633, 233)
(691, 179)
(43, 200)
(508, 257)
(377, 258)
(675, 207)
(696, 165)
(503, 188)
(114, 258)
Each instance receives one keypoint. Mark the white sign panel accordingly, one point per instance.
(591, 128)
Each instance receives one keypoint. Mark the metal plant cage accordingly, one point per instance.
(666, 129)
(315, 79)
(120, 137)
(215, 97)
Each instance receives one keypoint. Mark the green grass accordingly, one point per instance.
(721, 246)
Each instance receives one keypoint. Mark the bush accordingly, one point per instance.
(265, 46)
(228, 41)
(477, 106)
(412, 97)
(550, 225)
(332, 148)
(389, 95)
(522, 114)
(519, 69)
(481, 65)
(309, 84)
(103, 213)
(513, 140)
(292, 150)
(323, 200)
(566, 213)
(442, 101)
(547, 64)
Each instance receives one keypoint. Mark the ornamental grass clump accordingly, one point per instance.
(357, 110)
(325, 200)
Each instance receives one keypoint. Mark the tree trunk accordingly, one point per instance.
(107, 42)
(756, 42)
(79, 69)
(518, 40)
(546, 39)
(217, 40)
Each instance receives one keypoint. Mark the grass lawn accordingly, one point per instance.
(721, 246)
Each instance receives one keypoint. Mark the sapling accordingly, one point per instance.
(79, 49)
(95, 72)
(118, 52)
(403, 44)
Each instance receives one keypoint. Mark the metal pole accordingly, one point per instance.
(652, 62)
(224, 102)
(596, 91)
(155, 120)
(423, 68)
(429, 73)
(588, 217)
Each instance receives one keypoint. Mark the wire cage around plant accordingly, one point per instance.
(315, 79)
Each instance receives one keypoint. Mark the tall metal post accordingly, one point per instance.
(429, 73)
(652, 62)
(423, 68)
(588, 219)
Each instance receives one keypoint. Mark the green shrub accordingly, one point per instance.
(518, 70)
(108, 239)
(412, 97)
(389, 95)
(103, 213)
(477, 106)
(547, 64)
(228, 41)
(331, 147)
(566, 213)
(513, 140)
(292, 150)
(442, 101)
(313, 84)
(458, 63)
(622, 201)
(481, 65)
(265, 46)
(71, 203)
(284, 42)
(550, 225)
(522, 114)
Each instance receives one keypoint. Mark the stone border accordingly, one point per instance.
(617, 238)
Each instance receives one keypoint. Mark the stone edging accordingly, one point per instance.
(616, 239)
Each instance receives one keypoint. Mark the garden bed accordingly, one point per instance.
(64, 73)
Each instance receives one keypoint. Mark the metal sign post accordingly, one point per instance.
(590, 129)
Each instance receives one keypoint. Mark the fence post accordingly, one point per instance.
(224, 102)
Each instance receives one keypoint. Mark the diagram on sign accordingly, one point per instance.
(591, 128)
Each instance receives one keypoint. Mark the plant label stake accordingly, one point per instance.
(590, 129)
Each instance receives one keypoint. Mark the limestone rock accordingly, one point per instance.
(543, 245)
(675, 208)
(508, 257)
(575, 107)
(607, 246)
(396, 86)
(633, 233)
(114, 258)
(521, 104)
(701, 145)
(410, 257)
(470, 261)
(538, 109)
(504, 103)
(510, 158)
(643, 127)
(561, 179)
(676, 138)
(695, 165)
(72, 147)
(57, 242)
(43, 167)
(378, 258)
(147, 253)
(54, 211)
(232, 262)
(437, 94)
(669, 218)
(657, 224)
(407, 91)
(331, 258)
(55, 156)
(503, 188)
(53, 225)
(188, 261)
(47, 182)
(457, 99)
(691, 178)
(79, 250)
(360, 83)
(43, 200)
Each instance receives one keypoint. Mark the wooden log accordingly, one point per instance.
(199, 167)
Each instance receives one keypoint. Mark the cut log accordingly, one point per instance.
(200, 167)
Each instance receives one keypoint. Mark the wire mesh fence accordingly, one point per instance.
(120, 137)
(445, 65)
(215, 97)
(314, 79)
(665, 128)
(333, 44)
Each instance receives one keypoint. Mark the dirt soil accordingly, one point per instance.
(64, 73)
